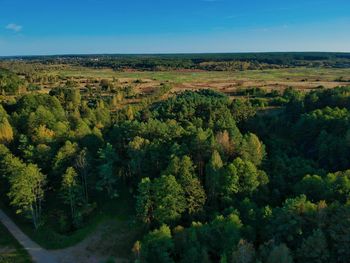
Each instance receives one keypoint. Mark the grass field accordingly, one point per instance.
(10, 250)
(225, 81)
(188, 76)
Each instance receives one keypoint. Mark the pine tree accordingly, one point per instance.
(184, 171)
(144, 201)
(280, 254)
(169, 199)
(213, 174)
(194, 192)
(106, 172)
(314, 249)
(157, 246)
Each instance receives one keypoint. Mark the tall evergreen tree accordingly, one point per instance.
(280, 254)
(314, 249)
(144, 201)
(184, 170)
(212, 175)
(107, 176)
(169, 199)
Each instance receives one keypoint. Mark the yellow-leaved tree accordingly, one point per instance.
(6, 132)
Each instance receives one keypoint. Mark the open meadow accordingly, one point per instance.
(300, 78)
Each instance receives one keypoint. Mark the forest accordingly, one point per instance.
(211, 62)
(254, 176)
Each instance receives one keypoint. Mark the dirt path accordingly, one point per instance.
(38, 254)
(111, 239)
(81, 252)
(107, 240)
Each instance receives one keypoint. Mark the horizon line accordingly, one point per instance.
(168, 53)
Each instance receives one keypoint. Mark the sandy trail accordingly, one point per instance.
(38, 254)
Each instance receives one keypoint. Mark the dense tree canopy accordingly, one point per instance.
(213, 180)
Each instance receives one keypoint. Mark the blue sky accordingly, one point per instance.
(30, 27)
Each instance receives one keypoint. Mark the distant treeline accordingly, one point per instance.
(217, 62)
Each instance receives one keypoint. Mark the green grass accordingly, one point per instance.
(323, 74)
(10, 249)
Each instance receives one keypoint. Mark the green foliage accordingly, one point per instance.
(6, 131)
(144, 201)
(184, 170)
(313, 186)
(314, 249)
(169, 199)
(323, 131)
(245, 253)
(137, 150)
(213, 173)
(338, 231)
(280, 254)
(33, 110)
(157, 246)
(211, 62)
(290, 222)
(334, 186)
(189, 161)
(187, 107)
(9, 82)
(339, 185)
(206, 242)
(163, 200)
(65, 157)
(222, 234)
(252, 149)
(26, 187)
(242, 110)
(243, 176)
(107, 174)
(72, 193)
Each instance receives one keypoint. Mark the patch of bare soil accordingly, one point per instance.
(111, 239)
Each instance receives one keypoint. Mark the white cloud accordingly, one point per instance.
(14, 27)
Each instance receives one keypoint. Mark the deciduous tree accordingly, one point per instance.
(71, 191)
(26, 188)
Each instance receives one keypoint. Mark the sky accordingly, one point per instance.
(48, 27)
